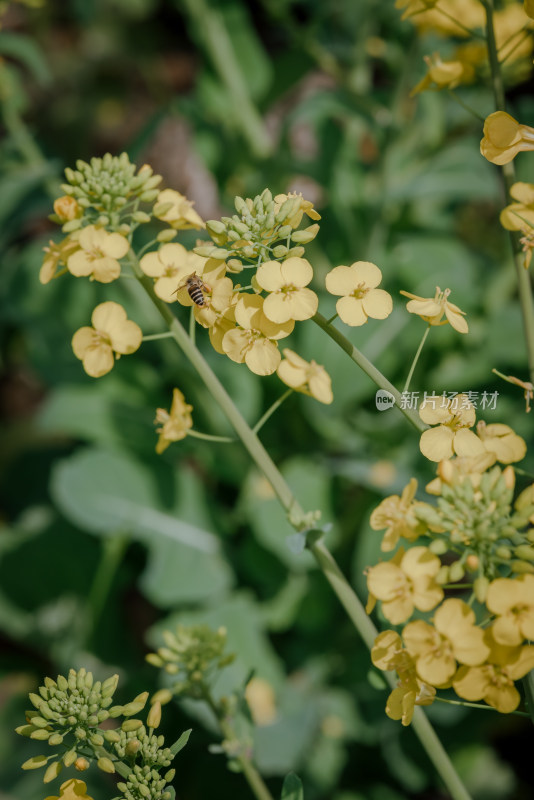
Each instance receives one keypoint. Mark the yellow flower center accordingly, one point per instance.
(360, 291)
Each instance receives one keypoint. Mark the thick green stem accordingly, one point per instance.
(113, 549)
(508, 173)
(369, 368)
(323, 557)
(416, 359)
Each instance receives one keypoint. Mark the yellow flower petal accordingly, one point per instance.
(377, 304)
(436, 444)
(98, 360)
(467, 443)
(351, 311)
(296, 271)
(263, 357)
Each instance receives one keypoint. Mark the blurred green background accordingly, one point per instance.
(226, 98)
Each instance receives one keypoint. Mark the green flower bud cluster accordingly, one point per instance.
(144, 783)
(109, 191)
(193, 654)
(133, 741)
(252, 232)
(481, 521)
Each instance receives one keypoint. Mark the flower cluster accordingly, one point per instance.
(475, 534)
(192, 655)
(68, 714)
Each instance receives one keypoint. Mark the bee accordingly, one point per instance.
(195, 289)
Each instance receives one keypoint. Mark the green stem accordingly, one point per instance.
(477, 705)
(211, 28)
(252, 776)
(452, 94)
(508, 174)
(113, 549)
(209, 437)
(262, 420)
(192, 326)
(416, 359)
(325, 560)
(153, 336)
(369, 369)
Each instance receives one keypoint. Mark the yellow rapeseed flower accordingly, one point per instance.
(453, 637)
(453, 471)
(57, 255)
(304, 376)
(444, 74)
(504, 138)
(67, 208)
(180, 215)
(529, 8)
(501, 440)
(395, 515)
(360, 298)
(304, 207)
(389, 654)
(174, 424)
(433, 309)
(512, 600)
(98, 254)
(111, 336)
(493, 681)
(519, 216)
(286, 283)
(427, 15)
(170, 265)
(254, 341)
(453, 417)
(73, 789)
(261, 701)
(406, 582)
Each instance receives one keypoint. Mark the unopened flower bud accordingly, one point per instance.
(154, 715)
(504, 553)
(456, 571)
(52, 771)
(35, 762)
(480, 587)
(70, 757)
(472, 562)
(163, 696)
(81, 764)
(525, 552)
(106, 765)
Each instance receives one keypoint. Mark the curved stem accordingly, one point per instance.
(262, 420)
(209, 437)
(323, 557)
(153, 336)
(465, 106)
(477, 705)
(113, 549)
(369, 369)
(416, 359)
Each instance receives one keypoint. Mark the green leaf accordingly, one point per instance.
(292, 788)
(105, 492)
(24, 49)
(181, 742)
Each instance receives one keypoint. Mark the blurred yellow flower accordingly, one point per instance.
(261, 701)
(447, 17)
(453, 637)
(453, 417)
(174, 424)
(433, 309)
(512, 600)
(501, 440)
(360, 297)
(304, 376)
(504, 138)
(519, 216)
(494, 681)
(453, 471)
(406, 582)
(286, 281)
(73, 789)
(57, 255)
(67, 208)
(180, 215)
(254, 341)
(98, 254)
(111, 336)
(395, 514)
(529, 8)
(444, 74)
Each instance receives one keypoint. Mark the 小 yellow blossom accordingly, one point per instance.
(175, 424)
(453, 637)
(67, 208)
(512, 600)
(453, 418)
(494, 681)
(180, 215)
(433, 309)
(286, 283)
(504, 138)
(360, 298)
(111, 336)
(169, 266)
(57, 255)
(446, 17)
(254, 341)
(98, 254)
(406, 582)
(301, 207)
(73, 789)
(501, 440)
(395, 515)
(305, 376)
(444, 74)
